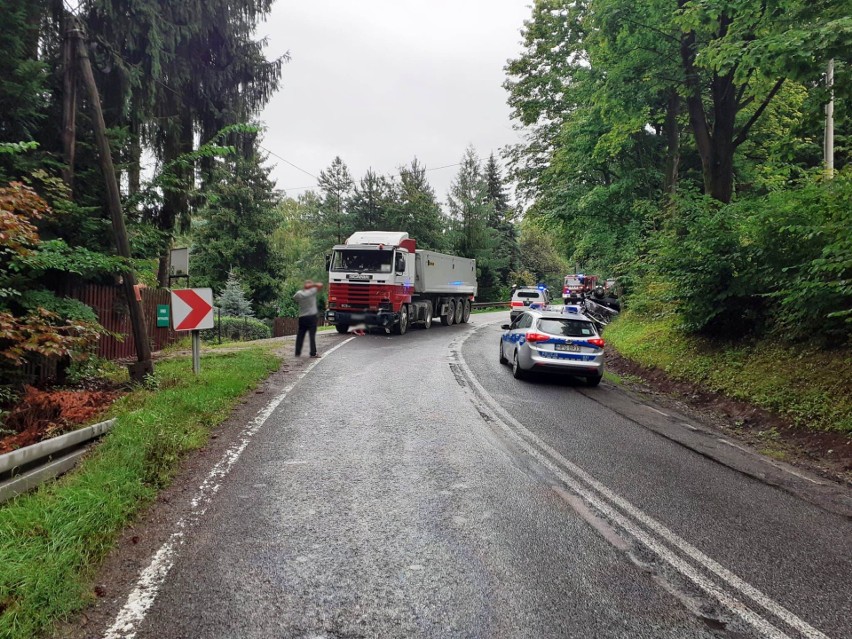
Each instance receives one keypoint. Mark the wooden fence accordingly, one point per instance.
(110, 306)
(282, 326)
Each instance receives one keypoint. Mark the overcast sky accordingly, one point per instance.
(379, 82)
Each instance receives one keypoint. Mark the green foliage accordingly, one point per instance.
(237, 329)
(234, 230)
(781, 263)
(676, 145)
(55, 537)
(808, 385)
(66, 308)
(56, 255)
(232, 300)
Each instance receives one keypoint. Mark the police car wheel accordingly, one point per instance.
(517, 371)
(503, 359)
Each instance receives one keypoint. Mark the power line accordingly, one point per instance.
(391, 175)
(289, 162)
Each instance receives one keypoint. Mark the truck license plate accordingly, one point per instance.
(571, 348)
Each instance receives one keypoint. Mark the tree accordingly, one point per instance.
(736, 56)
(235, 228)
(507, 251)
(471, 212)
(232, 300)
(371, 205)
(417, 211)
(336, 184)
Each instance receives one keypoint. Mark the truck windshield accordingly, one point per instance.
(572, 281)
(369, 261)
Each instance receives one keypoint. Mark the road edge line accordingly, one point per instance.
(152, 577)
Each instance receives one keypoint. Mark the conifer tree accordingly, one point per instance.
(233, 301)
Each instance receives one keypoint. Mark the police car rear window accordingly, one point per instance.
(567, 327)
(530, 294)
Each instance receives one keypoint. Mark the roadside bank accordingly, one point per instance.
(793, 405)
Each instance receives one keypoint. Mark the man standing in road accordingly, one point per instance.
(307, 301)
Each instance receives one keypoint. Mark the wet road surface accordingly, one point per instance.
(410, 487)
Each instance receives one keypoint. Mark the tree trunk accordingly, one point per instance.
(69, 105)
(715, 147)
(175, 209)
(672, 133)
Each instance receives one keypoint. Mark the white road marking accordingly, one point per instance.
(657, 411)
(572, 475)
(140, 600)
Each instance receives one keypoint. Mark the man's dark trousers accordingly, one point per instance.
(307, 324)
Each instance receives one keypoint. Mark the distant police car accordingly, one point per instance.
(553, 340)
(528, 296)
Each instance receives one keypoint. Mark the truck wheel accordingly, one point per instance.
(466, 314)
(517, 371)
(401, 326)
(427, 316)
(450, 317)
(342, 328)
(459, 310)
(503, 359)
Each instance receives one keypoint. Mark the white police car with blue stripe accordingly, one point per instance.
(553, 339)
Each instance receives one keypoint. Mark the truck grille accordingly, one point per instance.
(357, 296)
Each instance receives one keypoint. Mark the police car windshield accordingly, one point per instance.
(355, 260)
(530, 294)
(566, 327)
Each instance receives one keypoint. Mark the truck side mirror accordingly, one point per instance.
(327, 261)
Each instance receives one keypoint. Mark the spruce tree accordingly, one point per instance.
(233, 301)
(235, 230)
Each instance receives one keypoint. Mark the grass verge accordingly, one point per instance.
(810, 386)
(52, 540)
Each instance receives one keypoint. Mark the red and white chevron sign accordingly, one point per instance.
(192, 309)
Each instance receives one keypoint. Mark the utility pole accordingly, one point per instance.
(144, 365)
(828, 149)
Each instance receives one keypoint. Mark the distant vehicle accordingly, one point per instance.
(553, 340)
(610, 284)
(528, 296)
(577, 286)
(381, 278)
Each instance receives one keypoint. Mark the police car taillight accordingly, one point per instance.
(537, 337)
(514, 304)
(597, 341)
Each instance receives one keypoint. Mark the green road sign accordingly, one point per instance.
(162, 315)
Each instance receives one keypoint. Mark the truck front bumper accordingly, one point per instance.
(385, 319)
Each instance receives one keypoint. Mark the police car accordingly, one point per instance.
(553, 339)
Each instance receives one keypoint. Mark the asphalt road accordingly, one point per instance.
(410, 487)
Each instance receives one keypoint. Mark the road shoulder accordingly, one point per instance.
(153, 528)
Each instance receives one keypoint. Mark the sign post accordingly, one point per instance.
(196, 352)
(192, 310)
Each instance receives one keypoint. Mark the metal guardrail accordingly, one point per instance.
(479, 305)
(26, 468)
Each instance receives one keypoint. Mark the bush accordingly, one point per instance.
(776, 264)
(242, 329)
(710, 270)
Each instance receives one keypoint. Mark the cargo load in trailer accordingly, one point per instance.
(381, 278)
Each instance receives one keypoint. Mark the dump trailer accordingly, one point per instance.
(381, 278)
